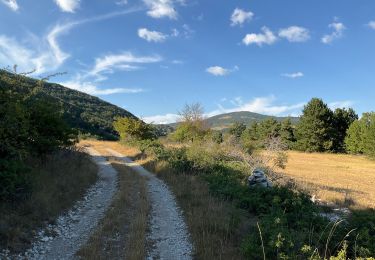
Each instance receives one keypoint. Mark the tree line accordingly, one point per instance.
(320, 129)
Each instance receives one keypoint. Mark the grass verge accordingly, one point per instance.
(57, 184)
(217, 227)
(122, 232)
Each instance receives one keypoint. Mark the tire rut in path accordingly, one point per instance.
(168, 232)
(74, 228)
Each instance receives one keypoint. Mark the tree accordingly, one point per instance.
(361, 135)
(314, 131)
(269, 128)
(287, 133)
(192, 126)
(342, 119)
(133, 129)
(237, 129)
(354, 138)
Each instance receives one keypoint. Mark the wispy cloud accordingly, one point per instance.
(88, 81)
(69, 6)
(122, 2)
(338, 31)
(295, 34)
(220, 71)
(124, 61)
(162, 119)
(341, 104)
(152, 36)
(267, 37)
(46, 53)
(240, 16)
(371, 24)
(293, 75)
(93, 89)
(12, 4)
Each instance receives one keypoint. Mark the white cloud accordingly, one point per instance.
(123, 61)
(262, 105)
(87, 81)
(220, 71)
(12, 4)
(293, 75)
(267, 37)
(69, 6)
(240, 16)
(162, 119)
(371, 24)
(341, 104)
(151, 36)
(161, 8)
(295, 34)
(45, 56)
(122, 2)
(338, 31)
(92, 89)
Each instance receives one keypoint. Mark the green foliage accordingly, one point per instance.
(361, 135)
(217, 137)
(133, 129)
(81, 111)
(354, 138)
(342, 119)
(189, 132)
(291, 224)
(315, 129)
(237, 129)
(29, 125)
(287, 133)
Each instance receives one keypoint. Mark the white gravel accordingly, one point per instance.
(74, 228)
(168, 232)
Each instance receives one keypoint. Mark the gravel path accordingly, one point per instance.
(168, 232)
(74, 228)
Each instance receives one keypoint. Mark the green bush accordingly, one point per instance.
(30, 125)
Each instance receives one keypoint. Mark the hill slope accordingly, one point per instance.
(223, 121)
(87, 113)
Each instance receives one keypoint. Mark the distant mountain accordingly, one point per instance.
(223, 121)
(84, 112)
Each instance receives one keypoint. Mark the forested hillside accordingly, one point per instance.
(88, 114)
(226, 120)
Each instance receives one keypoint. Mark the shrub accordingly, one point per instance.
(131, 128)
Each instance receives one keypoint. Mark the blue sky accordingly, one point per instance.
(153, 56)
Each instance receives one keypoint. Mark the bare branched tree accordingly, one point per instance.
(192, 113)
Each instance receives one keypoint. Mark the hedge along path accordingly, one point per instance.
(74, 228)
(168, 236)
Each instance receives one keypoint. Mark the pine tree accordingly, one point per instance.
(314, 131)
(343, 118)
(287, 133)
(354, 138)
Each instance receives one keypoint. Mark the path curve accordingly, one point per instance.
(168, 232)
(74, 228)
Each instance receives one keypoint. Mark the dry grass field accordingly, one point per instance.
(338, 178)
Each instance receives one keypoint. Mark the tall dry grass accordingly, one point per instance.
(338, 178)
(57, 183)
